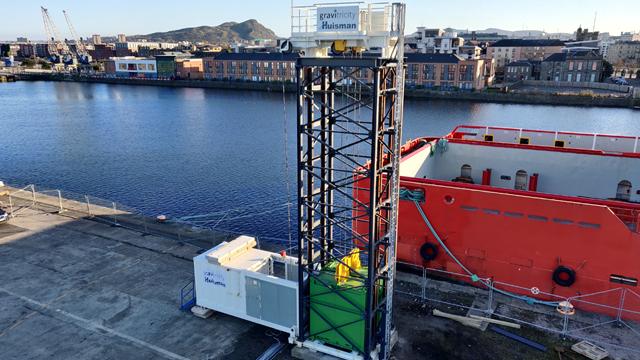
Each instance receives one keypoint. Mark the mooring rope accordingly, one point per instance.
(417, 196)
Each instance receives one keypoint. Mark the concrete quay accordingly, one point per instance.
(80, 289)
(74, 286)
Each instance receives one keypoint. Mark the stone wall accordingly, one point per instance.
(580, 85)
(541, 99)
(484, 96)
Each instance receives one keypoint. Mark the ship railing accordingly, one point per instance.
(595, 313)
(617, 144)
(373, 18)
(630, 217)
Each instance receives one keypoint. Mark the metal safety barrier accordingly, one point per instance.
(619, 330)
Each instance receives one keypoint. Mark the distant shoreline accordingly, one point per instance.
(484, 96)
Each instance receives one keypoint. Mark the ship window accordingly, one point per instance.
(521, 180)
(465, 171)
(562, 221)
(524, 141)
(537, 217)
(624, 190)
(513, 214)
(588, 225)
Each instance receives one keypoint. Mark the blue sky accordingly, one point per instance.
(109, 17)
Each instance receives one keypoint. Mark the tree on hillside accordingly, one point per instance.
(638, 74)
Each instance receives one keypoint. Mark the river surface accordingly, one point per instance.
(191, 151)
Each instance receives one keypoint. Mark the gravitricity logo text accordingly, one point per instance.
(338, 18)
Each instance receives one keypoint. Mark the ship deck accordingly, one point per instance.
(77, 288)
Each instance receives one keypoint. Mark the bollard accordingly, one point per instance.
(621, 307)
(33, 195)
(490, 301)
(424, 284)
(11, 206)
(88, 205)
(115, 216)
(60, 202)
(565, 324)
(144, 223)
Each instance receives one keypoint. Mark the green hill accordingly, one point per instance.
(226, 33)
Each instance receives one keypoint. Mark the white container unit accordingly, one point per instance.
(237, 279)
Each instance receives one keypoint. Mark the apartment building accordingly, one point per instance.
(251, 67)
(506, 51)
(131, 67)
(435, 41)
(134, 47)
(625, 58)
(624, 52)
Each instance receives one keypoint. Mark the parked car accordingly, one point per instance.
(4, 217)
(620, 81)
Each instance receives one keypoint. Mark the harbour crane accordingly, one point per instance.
(58, 49)
(81, 50)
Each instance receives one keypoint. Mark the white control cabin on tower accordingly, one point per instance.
(323, 30)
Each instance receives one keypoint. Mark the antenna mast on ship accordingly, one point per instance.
(350, 79)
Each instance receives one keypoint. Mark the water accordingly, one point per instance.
(193, 151)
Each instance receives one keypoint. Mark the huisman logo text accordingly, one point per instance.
(338, 20)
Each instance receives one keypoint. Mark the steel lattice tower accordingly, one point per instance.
(349, 118)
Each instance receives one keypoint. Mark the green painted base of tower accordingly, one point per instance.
(336, 314)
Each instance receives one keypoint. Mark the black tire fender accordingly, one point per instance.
(564, 276)
(428, 251)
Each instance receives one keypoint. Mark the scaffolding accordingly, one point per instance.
(350, 107)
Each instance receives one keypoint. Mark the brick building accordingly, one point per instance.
(26, 50)
(251, 67)
(522, 70)
(102, 51)
(42, 50)
(573, 66)
(586, 35)
(448, 72)
(190, 69)
(436, 71)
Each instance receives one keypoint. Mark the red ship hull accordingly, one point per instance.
(540, 245)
